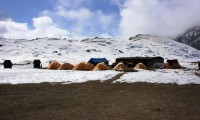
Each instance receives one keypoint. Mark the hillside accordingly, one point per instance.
(191, 38)
(73, 51)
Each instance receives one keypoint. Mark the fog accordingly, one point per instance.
(168, 18)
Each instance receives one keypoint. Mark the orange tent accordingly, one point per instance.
(120, 67)
(53, 65)
(84, 66)
(66, 66)
(172, 64)
(140, 66)
(101, 66)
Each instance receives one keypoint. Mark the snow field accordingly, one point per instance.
(74, 51)
(20, 76)
(178, 76)
(26, 74)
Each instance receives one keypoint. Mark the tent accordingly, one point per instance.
(84, 66)
(66, 66)
(120, 67)
(53, 65)
(95, 61)
(101, 66)
(37, 63)
(172, 64)
(7, 64)
(140, 66)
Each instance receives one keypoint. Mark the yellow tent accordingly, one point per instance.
(66, 66)
(172, 64)
(120, 67)
(140, 66)
(53, 65)
(84, 66)
(101, 66)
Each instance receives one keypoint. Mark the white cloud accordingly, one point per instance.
(104, 19)
(80, 14)
(105, 35)
(77, 18)
(82, 21)
(9, 25)
(42, 22)
(43, 27)
(161, 17)
(11, 29)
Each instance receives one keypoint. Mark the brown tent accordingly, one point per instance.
(172, 64)
(53, 65)
(140, 66)
(101, 66)
(84, 66)
(120, 67)
(66, 66)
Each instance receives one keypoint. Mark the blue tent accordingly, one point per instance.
(95, 61)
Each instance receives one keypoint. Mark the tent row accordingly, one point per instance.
(89, 66)
(170, 64)
(149, 62)
(103, 64)
(81, 66)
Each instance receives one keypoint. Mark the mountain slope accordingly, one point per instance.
(75, 51)
(191, 38)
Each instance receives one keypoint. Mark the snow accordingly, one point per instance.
(74, 51)
(20, 76)
(22, 51)
(179, 76)
(26, 74)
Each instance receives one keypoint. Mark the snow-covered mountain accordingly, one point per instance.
(191, 38)
(74, 51)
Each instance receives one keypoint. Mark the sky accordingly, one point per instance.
(79, 19)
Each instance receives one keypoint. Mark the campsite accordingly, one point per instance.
(143, 82)
(99, 60)
(97, 90)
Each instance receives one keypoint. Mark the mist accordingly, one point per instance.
(168, 18)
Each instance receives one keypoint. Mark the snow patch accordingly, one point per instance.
(20, 76)
(179, 76)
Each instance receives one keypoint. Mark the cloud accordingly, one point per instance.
(105, 35)
(83, 21)
(104, 19)
(78, 14)
(160, 17)
(69, 18)
(43, 27)
(83, 18)
(10, 29)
